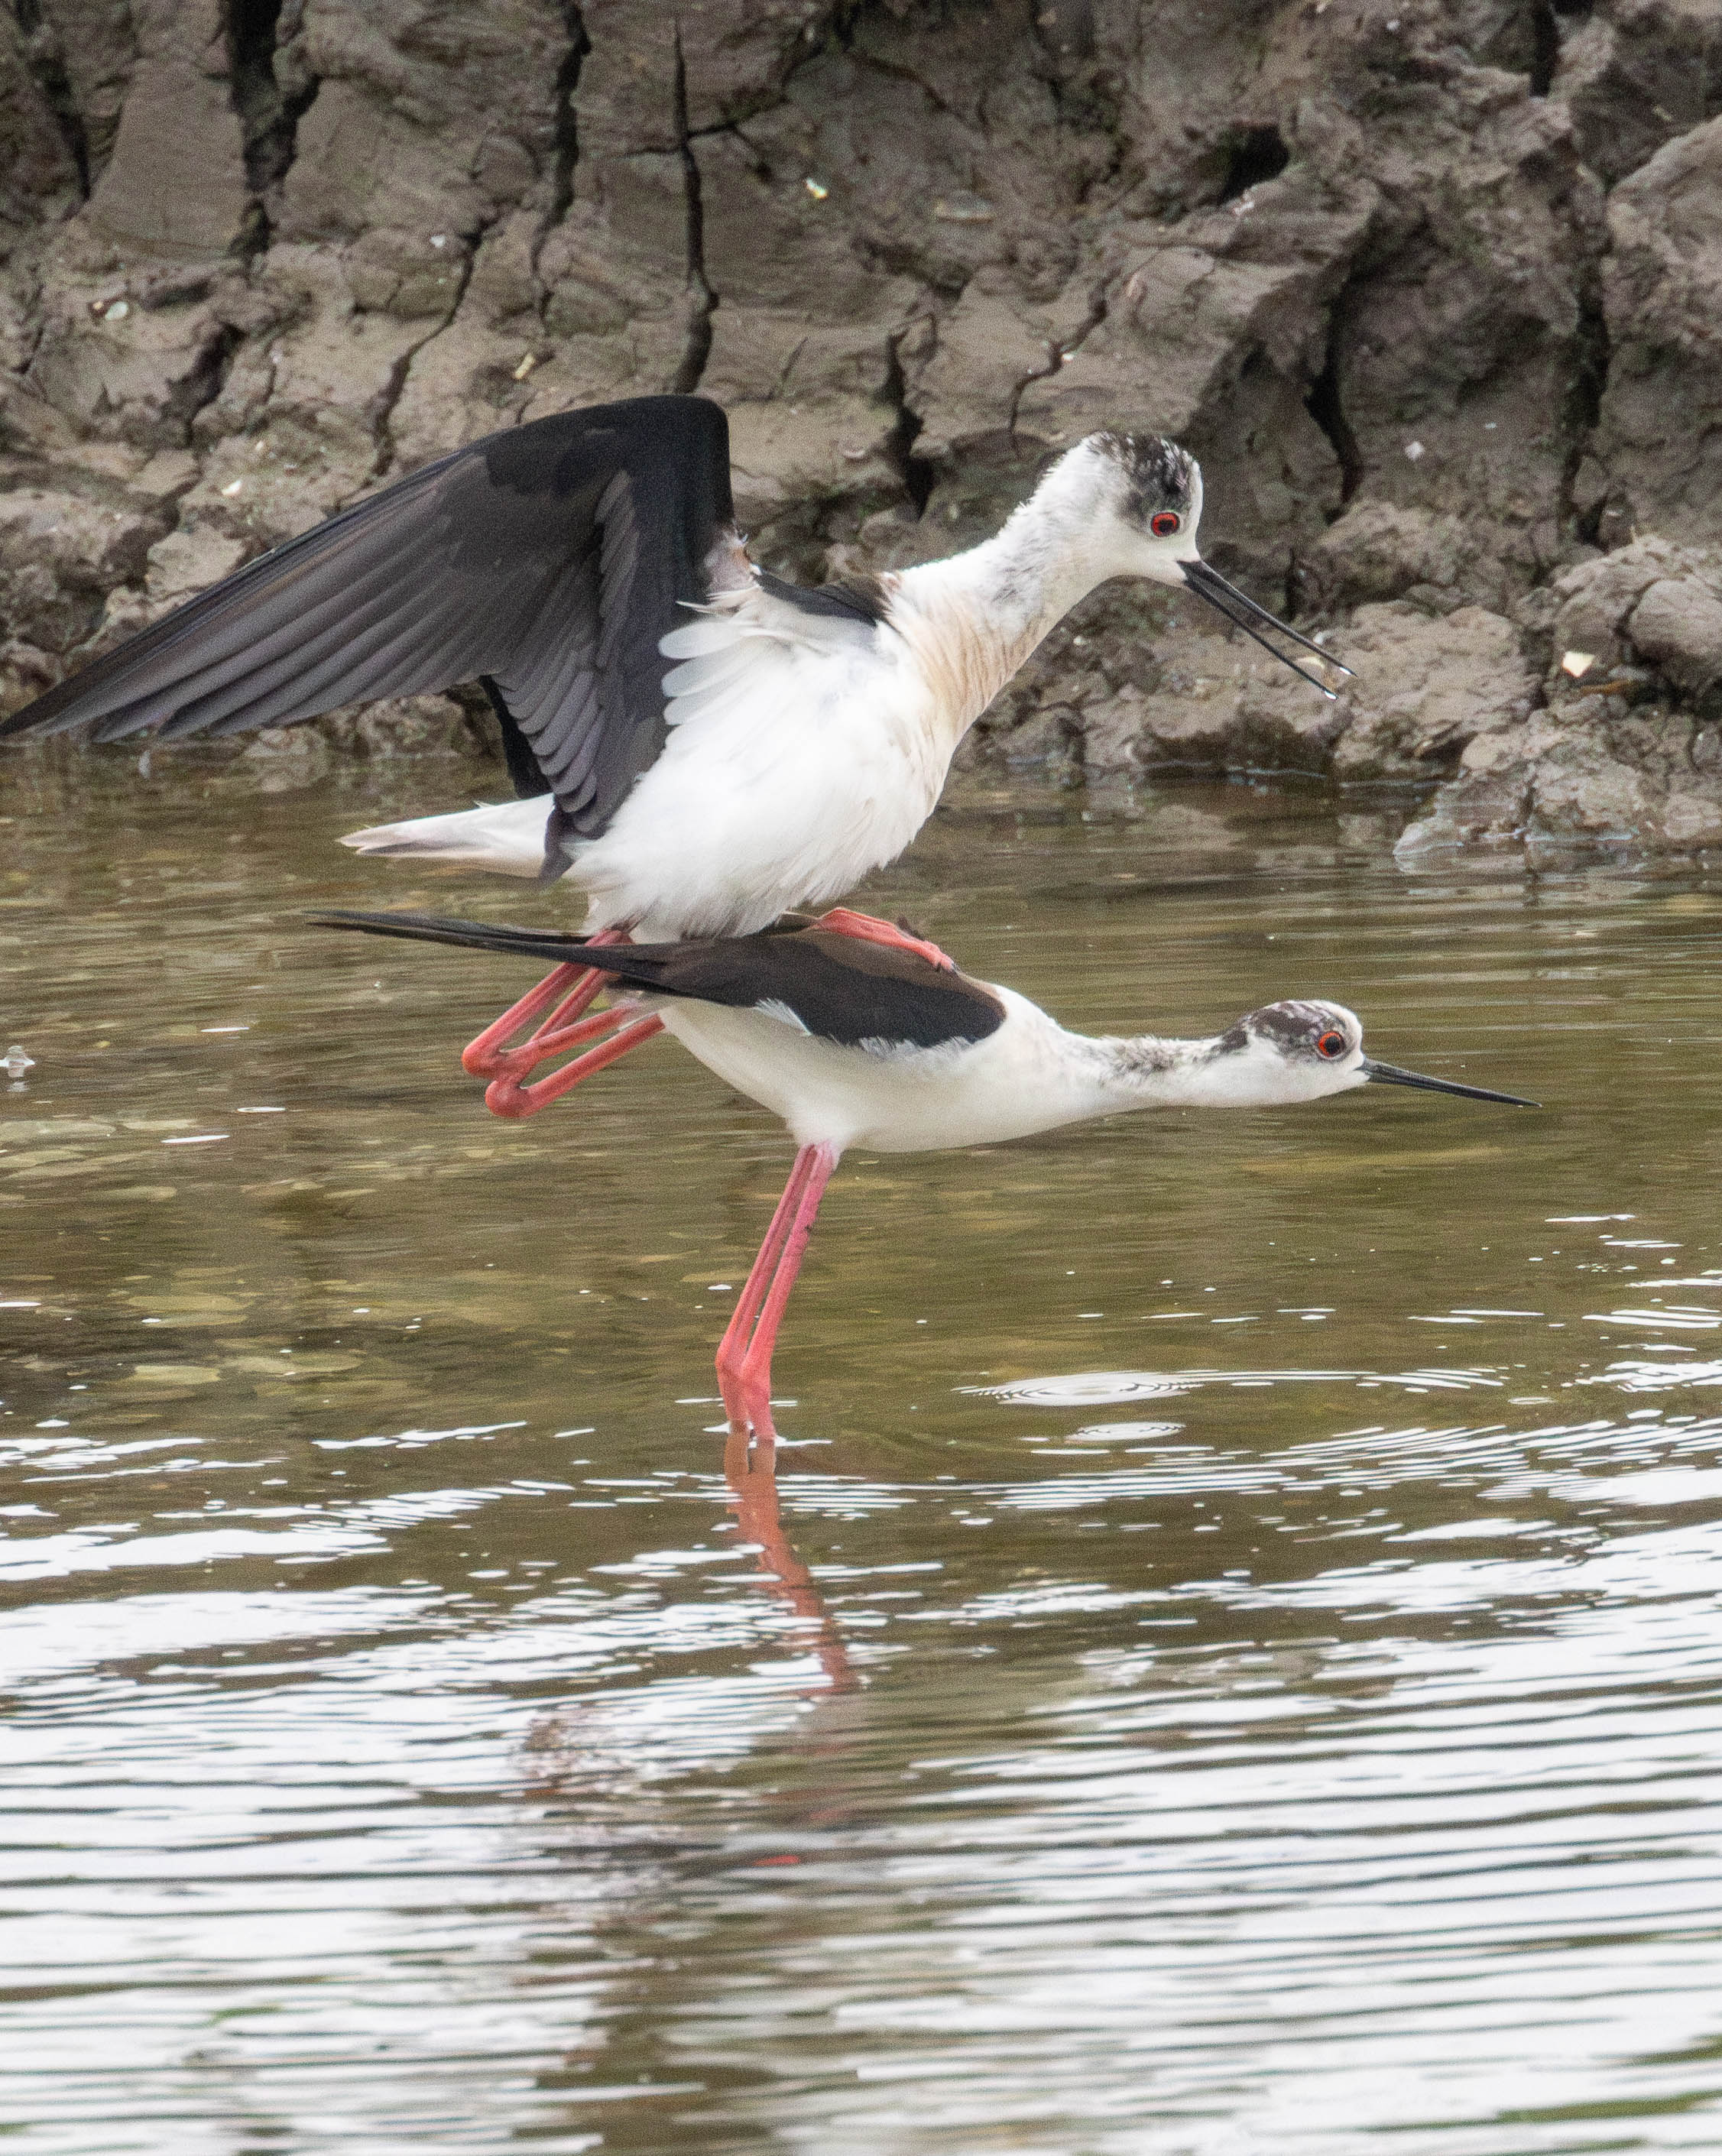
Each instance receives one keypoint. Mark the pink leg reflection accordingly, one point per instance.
(751, 1472)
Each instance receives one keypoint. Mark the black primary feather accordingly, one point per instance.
(842, 988)
(857, 597)
(545, 562)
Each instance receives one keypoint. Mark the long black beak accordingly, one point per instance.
(1241, 611)
(1390, 1074)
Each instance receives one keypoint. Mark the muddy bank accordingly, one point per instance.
(1430, 285)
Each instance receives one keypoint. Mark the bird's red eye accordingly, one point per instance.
(1164, 523)
(1330, 1045)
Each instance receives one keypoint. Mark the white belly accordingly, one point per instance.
(782, 783)
(723, 835)
(1017, 1081)
(746, 815)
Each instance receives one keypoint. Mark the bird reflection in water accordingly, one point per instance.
(751, 1472)
(596, 1747)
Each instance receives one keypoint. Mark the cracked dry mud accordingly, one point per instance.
(1430, 287)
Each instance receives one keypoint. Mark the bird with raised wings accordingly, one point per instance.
(697, 745)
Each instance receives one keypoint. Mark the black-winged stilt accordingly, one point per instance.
(698, 744)
(857, 1044)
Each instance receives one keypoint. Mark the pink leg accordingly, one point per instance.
(506, 1096)
(746, 1382)
(733, 1346)
(488, 1057)
(868, 928)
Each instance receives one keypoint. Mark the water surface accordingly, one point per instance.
(1235, 1667)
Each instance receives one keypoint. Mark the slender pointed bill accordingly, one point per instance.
(1242, 612)
(1390, 1074)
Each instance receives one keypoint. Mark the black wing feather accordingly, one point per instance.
(843, 989)
(526, 774)
(545, 562)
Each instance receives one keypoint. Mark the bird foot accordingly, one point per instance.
(868, 928)
(514, 1100)
(566, 994)
(571, 988)
(490, 1056)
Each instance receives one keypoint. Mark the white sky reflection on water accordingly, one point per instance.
(1138, 1736)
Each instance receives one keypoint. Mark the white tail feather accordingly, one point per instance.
(507, 836)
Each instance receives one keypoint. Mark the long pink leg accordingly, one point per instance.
(487, 1056)
(747, 1387)
(732, 1348)
(506, 1096)
(868, 928)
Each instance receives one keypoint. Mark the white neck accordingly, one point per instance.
(1142, 1070)
(1146, 1072)
(972, 620)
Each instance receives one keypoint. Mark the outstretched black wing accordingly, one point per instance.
(853, 993)
(546, 561)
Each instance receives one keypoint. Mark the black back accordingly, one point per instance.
(842, 989)
(546, 561)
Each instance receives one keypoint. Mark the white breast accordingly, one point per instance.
(793, 767)
(1022, 1079)
(805, 749)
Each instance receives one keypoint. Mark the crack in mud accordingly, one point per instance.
(1323, 404)
(45, 57)
(1584, 403)
(1056, 355)
(702, 301)
(567, 135)
(565, 122)
(209, 378)
(383, 407)
(917, 474)
(1545, 47)
(269, 116)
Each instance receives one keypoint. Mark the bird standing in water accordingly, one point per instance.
(853, 1043)
(698, 744)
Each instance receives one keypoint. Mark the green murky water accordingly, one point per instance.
(1237, 1667)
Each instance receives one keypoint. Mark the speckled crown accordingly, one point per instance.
(1158, 473)
(1293, 1026)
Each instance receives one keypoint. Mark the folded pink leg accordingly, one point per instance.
(868, 928)
(571, 988)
